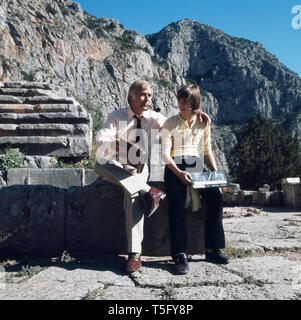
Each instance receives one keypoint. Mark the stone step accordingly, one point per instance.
(45, 129)
(8, 129)
(51, 117)
(37, 108)
(50, 146)
(25, 92)
(47, 99)
(34, 100)
(29, 85)
(10, 99)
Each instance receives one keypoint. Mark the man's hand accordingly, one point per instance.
(202, 116)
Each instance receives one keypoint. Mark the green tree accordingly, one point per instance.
(264, 154)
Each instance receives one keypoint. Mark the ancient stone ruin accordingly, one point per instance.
(41, 121)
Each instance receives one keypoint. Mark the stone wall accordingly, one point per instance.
(289, 196)
(253, 198)
(46, 211)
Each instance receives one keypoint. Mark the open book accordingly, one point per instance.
(209, 179)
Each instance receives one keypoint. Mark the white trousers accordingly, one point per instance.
(132, 182)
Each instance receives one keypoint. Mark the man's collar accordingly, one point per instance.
(131, 114)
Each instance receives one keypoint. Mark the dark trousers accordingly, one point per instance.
(176, 193)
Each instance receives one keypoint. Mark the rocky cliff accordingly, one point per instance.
(96, 60)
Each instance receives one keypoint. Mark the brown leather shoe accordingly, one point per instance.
(134, 262)
(156, 195)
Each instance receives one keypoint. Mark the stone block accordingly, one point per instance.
(61, 178)
(291, 180)
(18, 176)
(8, 129)
(28, 85)
(95, 221)
(260, 198)
(37, 108)
(268, 198)
(24, 92)
(291, 195)
(50, 146)
(45, 129)
(32, 221)
(229, 198)
(255, 198)
(9, 99)
(43, 99)
(244, 198)
(90, 176)
(156, 230)
(39, 162)
(156, 235)
(275, 199)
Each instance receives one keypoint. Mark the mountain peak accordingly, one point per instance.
(239, 73)
(97, 59)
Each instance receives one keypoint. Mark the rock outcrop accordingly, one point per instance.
(39, 121)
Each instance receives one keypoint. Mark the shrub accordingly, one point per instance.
(12, 158)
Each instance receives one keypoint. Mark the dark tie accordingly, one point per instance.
(137, 136)
(138, 121)
(140, 165)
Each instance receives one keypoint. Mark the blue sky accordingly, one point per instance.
(266, 21)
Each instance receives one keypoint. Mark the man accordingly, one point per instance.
(121, 169)
(185, 147)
